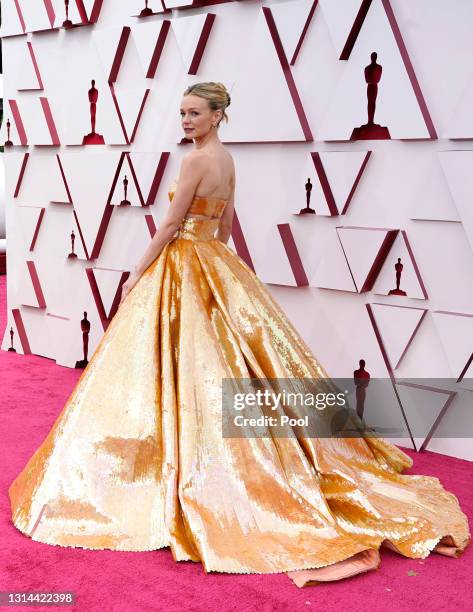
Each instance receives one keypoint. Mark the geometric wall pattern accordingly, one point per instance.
(354, 181)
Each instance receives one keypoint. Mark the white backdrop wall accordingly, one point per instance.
(294, 106)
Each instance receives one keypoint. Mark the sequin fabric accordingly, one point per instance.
(136, 460)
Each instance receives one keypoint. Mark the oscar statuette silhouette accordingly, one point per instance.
(307, 209)
(125, 202)
(67, 24)
(146, 12)
(8, 142)
(85, 326)
(361, 378)
(11, 349)
(93, 138)
(398, 267)
(72, 255)
(371, 130)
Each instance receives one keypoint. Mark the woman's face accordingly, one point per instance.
(196, 116)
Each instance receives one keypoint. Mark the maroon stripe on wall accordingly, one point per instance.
(440, 416)
(79, 229)
(287, 73)
(107, 213)
(97, 297)
(120, 52)
(319, 167)
(411, 338)
(465, 369)
(201, 3)
(20, 15)
(414, 263)
(20, 128)
(21, 174)
(36, 284)
(20, 328)
(36, 231)
(204, 36)
(150, 224)
(115, 178)
(94, 15)
(377, 333)
(119, 113)
(240, 242)
(135, 179)
(388, 367)
(158, 175)
(50, 121)
(50, 11)
(304, 32)
(410, 69)
(293, 254)
(355, 29)
(104, 318)
(61, 169)
(35, 64)
(355, 184)
(158, 49)
(82, 12)
(117, 298)
(128, 139)
(379, 260)
(140, 112)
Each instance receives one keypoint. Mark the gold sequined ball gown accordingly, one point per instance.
(137, 461)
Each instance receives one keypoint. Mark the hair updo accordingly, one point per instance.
(216, 95)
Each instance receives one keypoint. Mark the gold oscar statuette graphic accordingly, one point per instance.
(11, 349)
(72, 255)
(372, 130)
(307, 209)
(398, 266)
(85, 327)
(146, 12)
(125, 202)
(67, 24)
(93, 138)
(8, 142)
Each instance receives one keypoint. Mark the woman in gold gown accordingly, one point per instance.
(137, 461)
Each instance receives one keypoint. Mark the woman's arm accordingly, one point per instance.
(191, 172)
(226, 221)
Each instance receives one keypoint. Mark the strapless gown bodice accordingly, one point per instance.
(200, 229)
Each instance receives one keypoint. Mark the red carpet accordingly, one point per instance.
(33, 390)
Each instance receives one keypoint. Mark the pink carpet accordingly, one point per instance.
(33, 391)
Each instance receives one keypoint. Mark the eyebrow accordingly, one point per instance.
(191, 108)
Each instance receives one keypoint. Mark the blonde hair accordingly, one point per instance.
(216, 95)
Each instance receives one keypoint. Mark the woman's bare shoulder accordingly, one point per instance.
(194, 161)
(229, 159)
(227, 153)
(204, 161)
(194, 155)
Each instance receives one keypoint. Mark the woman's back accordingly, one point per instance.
(219, 180)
